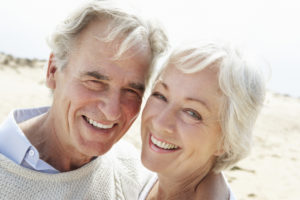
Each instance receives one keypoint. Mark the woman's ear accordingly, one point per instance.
(51, 70)
(220, 151)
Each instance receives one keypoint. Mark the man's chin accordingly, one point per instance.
(97, 150)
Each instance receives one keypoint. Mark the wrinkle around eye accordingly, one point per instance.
(159, 96)
(188, 117)
(194, 114)
(132, 94)
(94, 85)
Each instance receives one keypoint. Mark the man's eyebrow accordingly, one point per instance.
(137, 86)
(99, 76)
(96, 75)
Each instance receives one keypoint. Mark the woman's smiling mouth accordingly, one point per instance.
(162, 144)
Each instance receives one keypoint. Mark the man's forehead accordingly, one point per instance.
(106, 32)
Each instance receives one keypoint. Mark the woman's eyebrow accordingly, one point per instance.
(165, 86)
(199, 101)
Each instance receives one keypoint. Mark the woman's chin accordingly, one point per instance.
(152, 164)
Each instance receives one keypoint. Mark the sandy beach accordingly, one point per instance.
(271, 172)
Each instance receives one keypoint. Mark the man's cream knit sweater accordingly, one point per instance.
(117, 175)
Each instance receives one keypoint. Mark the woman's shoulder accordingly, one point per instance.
(147, 188)
(214, 187)
(231, 194)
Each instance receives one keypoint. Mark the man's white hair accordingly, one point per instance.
(124, 24)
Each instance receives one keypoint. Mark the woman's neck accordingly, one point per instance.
(172, 187)
(208, 185)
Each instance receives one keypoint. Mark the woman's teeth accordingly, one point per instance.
(163, 145)
(98, 125)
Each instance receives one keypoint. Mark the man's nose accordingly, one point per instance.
(110, 106)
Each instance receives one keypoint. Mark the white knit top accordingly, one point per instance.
(117, 175)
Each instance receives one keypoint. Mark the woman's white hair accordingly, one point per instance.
(242, 83)
(124, 24)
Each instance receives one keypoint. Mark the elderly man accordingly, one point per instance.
(98, 69)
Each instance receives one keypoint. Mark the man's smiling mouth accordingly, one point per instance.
(97, 124)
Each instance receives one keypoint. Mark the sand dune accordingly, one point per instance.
(271, 172)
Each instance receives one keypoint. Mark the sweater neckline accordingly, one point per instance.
(12, 167)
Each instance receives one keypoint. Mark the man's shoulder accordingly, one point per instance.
(28, 113)
(129, 166)
(124, 149)
(13, 142)
(20, 115)
(126, 156)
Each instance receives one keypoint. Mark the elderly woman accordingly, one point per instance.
(198, 120)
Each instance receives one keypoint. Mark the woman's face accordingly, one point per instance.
(180, 128)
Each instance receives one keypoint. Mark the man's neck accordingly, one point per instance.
(42, 134)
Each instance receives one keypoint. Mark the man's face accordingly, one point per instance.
(96, 98)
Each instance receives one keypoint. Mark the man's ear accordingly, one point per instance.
(51, 70)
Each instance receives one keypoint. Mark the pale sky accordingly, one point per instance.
(270, 28)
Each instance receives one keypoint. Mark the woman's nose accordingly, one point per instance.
(164, 120)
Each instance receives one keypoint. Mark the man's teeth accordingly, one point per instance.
(163, 145)
(98, 125)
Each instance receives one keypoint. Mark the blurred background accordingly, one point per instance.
(270, 28)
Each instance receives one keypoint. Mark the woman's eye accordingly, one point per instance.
(194, 114)
(159, 96)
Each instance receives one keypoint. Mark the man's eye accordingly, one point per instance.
(159, 96)
(94, 85)
(133, 93)
(194, 114)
